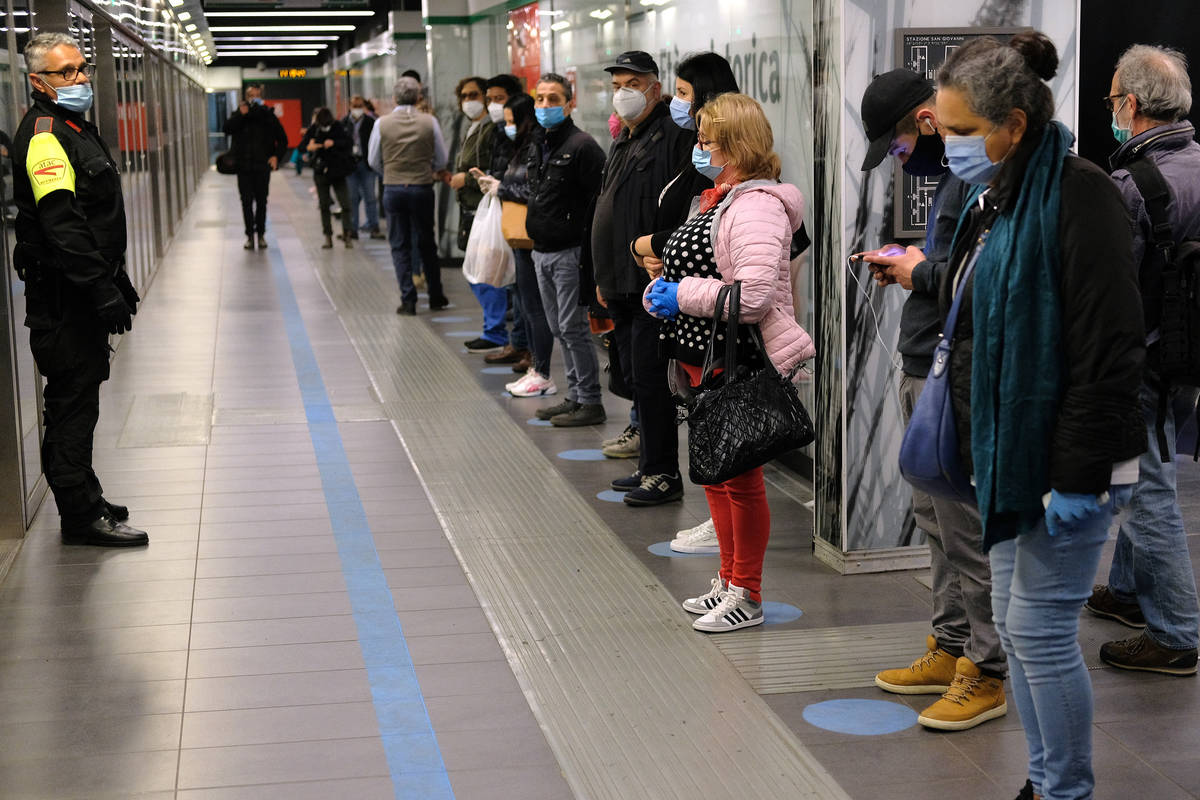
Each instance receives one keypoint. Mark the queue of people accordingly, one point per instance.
(1065, 382)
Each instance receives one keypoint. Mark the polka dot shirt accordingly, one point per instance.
(689, 253)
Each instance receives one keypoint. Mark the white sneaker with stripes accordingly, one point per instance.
(735, 611)
(707, 601)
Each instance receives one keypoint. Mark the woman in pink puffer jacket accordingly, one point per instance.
(742, 232)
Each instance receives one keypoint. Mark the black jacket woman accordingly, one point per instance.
(1045, 370)
(513, 187)
(331, 153)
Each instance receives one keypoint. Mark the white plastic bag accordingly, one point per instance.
(489, 259)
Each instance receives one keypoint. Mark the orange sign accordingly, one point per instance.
(525, 45)
(288, 112)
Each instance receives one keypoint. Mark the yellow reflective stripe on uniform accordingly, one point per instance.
(48, 167)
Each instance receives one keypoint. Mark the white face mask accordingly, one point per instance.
(357, 113)
(496, 112)
(472, 108)
(629, 103)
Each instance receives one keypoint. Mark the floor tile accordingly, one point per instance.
(272, 763)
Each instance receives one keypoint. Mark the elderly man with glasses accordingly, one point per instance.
(70, 252)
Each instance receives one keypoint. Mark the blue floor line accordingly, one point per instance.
(414, 758)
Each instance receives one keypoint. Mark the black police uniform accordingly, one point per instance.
(71, 238)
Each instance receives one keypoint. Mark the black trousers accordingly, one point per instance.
(74, 361)
(635, 336)
(253, 186)
(340, 187)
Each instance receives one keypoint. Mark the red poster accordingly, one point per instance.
(131, 130)
(525, 45)
(288, 112)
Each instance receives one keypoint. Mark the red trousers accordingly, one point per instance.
(743, 520)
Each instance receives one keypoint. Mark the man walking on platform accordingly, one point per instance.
(259, 144)
(361, 182)
(70, 251)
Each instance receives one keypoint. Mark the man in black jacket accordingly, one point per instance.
(259, 143)
(362, 180)
(564, 175)
(70, 251)
(645, 156)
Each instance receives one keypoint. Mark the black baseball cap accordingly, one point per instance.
(633, 61)
(889, 97)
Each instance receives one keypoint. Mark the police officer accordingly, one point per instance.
(70, 251)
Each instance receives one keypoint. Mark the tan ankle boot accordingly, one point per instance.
(932, 673)
(972, 699)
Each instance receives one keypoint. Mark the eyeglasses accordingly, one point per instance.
(69, 74)
(1108, 101)
(705, 144)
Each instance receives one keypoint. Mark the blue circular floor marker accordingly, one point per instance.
(462, 334)
(581, 455)
(860, 717)
(449, 320)
(779, 613)
(539, 423)
(497, 371)
(610, 496)
(663, 550)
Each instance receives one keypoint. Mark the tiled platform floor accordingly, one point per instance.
(223, 661)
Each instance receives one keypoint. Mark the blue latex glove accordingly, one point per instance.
(1065, 508)
(664, 299)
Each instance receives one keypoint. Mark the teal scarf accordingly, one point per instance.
(1016, 376)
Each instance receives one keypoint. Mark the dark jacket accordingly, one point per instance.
(331, 162)
(504, 149)
(257, 135)
(638, 167)
(676, 203)
(1099, 419)
(475, 151)
(564, 176)
(72, 240)
(1177, 155)
(364, 134)
(921, 318)
(514, 180)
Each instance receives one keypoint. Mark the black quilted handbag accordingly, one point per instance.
(741, 419)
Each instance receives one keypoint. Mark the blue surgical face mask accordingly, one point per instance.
(76, 97)
(511, 132)
(680, 113)
(969, 159)
(550, 117)
(1121, 134)
(702, 161)
(256, 101)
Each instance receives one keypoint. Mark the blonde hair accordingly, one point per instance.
(736, 124)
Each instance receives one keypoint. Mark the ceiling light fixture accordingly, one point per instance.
(257, 14)
(601, 13)
(562, 25)
(184, 16)
(279, 28)
(274, 38)
(268, 53)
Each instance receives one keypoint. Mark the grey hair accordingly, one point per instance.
(554, 77)
(37, 48)
(407, 91)
(996, 78)
(1158, 78)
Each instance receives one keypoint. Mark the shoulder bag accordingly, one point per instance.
(740, 420)
(929, 452)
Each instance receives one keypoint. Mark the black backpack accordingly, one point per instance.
(1177, 360)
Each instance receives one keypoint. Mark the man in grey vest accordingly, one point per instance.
(407, 148)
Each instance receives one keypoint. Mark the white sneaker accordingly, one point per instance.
(735, 611)
(630, 428)
(627, 445)
(508, 387)
(700, 539)
(707, 601)
(533, 385)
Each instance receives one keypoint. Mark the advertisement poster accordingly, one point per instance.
(524, 45)
(288, 112)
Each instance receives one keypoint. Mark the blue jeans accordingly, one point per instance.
(533, 313)
(494, 302)
(1039, 585)
(362, 190)
(1151, 565)
(410, 216)
(558, 282)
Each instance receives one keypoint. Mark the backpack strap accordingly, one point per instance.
(1156, 195)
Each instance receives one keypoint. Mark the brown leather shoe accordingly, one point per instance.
(522, 366)
(509, 355)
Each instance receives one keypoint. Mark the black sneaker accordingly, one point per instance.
(1144, 654)
(565, 407)
(655, 490)
(407, 309)
(1103, 603)
(586, 414)
(1026, 792)
(628, 483)
(482, 345)
(438, 304)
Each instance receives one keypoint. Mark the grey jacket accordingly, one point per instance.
(1177, 156)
